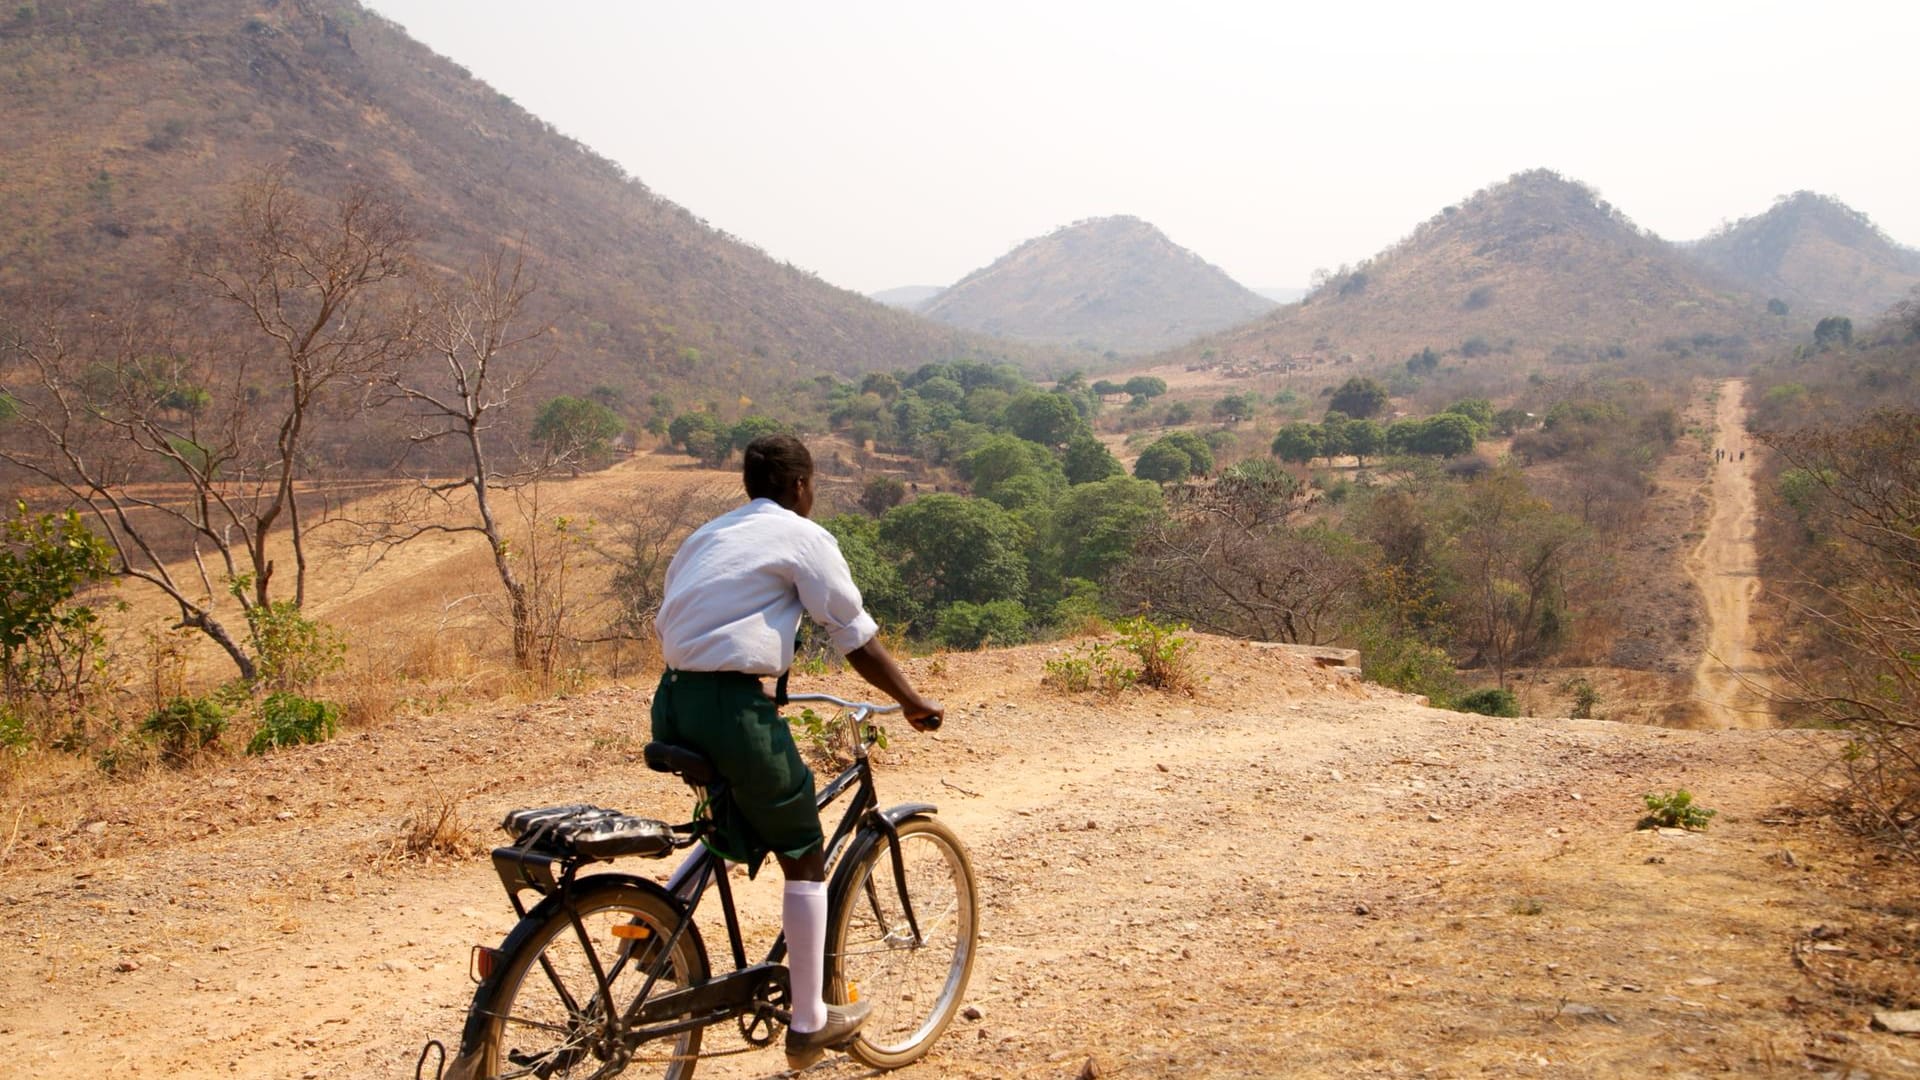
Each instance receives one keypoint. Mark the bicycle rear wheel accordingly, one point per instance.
(915, 988)
(548, 1019)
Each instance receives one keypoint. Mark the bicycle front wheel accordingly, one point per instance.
(548, 1017)
(915, 987)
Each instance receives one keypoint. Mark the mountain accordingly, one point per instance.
(128, 124)
(1107, 283)
(908, 297)
(1535, 268)
(1816, 254)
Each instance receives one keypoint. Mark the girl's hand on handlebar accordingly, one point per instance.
(923, 714)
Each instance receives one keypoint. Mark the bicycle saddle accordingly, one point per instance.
(690, 765)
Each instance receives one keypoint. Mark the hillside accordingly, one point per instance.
(1114, 283)
(1817, 255)
(1536, 268)
(128, 123)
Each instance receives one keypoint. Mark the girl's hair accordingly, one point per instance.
(772, 463)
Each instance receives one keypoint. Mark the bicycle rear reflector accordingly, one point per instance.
(481, 965)
(632, 932)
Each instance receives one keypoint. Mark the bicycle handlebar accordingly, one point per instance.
(862, 709)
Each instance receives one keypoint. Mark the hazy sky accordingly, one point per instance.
(885, 144)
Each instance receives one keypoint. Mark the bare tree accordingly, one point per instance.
(648, 532)
(1227, 560)
(1509, 552)
(187, 445)
(308, 278)
(1859, 609)
(455, 398)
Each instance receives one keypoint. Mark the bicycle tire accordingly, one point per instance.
(534, 998)
(915, 990)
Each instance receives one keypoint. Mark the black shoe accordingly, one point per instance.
(843, 1023)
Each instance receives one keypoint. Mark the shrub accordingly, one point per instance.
(14, 737)
(1407, 664)
(1675, 810)
(290, 720)
(292, 650)
(1165, 657)
(1488, 702)
(1100, 667)
(965, 625)
(185, 726)
(1585, 697)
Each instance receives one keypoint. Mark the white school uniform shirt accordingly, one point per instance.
(736, 589)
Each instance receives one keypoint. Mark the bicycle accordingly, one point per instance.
(604, 963)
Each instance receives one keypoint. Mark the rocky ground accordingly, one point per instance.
(1284, 873)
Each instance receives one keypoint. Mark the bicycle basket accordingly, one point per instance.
(589, 831)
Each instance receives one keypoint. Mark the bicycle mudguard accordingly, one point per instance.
(867, 836)
(466, 1064)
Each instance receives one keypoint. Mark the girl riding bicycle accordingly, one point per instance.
(735, 592)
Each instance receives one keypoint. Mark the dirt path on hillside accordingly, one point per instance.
(1287, 873)
(1730, 680)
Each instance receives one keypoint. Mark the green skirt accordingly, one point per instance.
(767, 804)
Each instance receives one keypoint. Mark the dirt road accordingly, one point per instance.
(1731, 678)
(1285, 874)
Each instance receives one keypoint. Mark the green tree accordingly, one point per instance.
(575, 429)
(1198, 452)
(967, 625)
(1234, 408)
(1364, 438)
(1163, 461)
(886, 597)
(1094, 526)
(1359, 398)
(1027, 492)
(950, 548)
(1088, 459)
(1043, 418)
(941, 389)
(686, 424)
(1145, 386)
(749, 428)
(1834, 331)
(913, 420)
(1297, 443)
(1509, 421)
(882, 493)
(1478, 410)
(1444, 435)
(1333, 435)
(881, 385)
(999, 458)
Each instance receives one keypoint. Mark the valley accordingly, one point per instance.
(1616, 528)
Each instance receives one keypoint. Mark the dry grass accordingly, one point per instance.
(433, 829)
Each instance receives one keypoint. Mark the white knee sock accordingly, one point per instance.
(803, 913)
